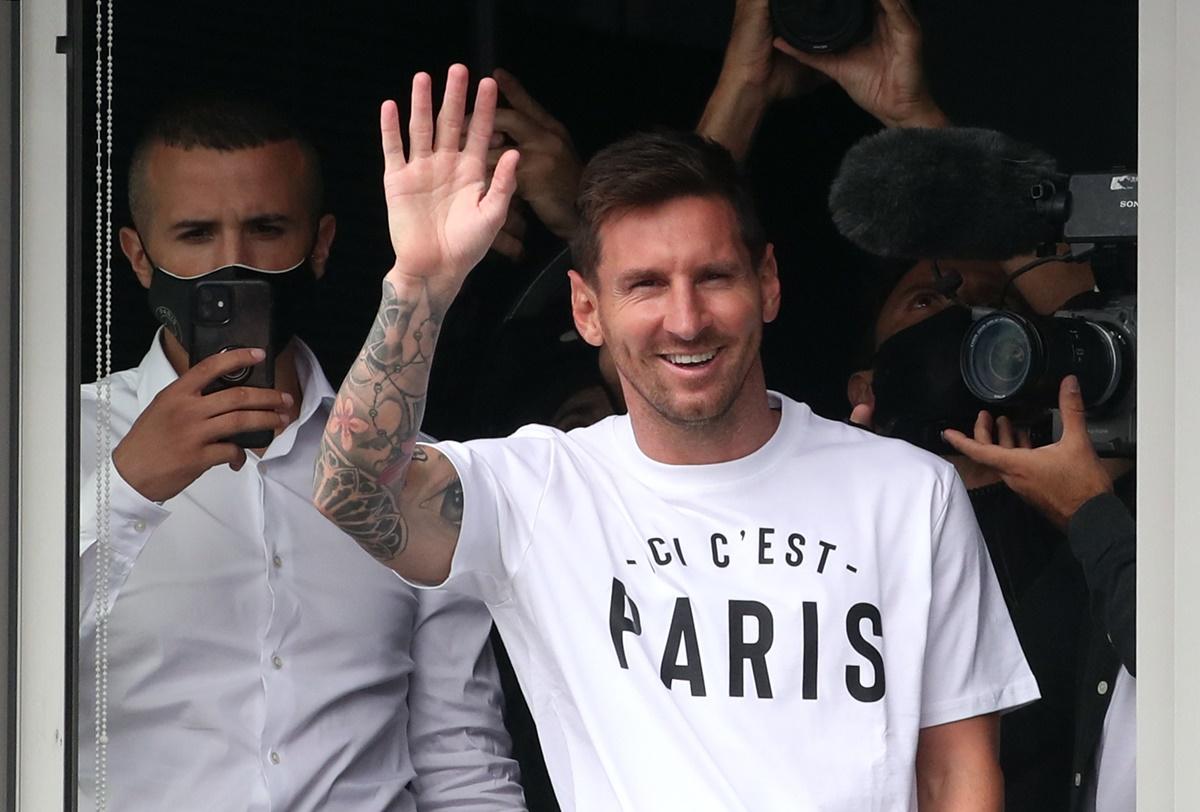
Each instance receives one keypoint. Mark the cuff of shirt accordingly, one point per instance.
(132, 517)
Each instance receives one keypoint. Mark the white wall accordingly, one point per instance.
(42, 471)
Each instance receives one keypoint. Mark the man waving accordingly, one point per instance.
(720, 600)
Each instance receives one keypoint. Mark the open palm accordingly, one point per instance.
(442, 214)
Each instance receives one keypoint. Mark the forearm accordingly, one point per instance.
(958, 769)
(372, 430)
(732, 115)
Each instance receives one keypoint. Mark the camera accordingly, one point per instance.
(1014, 363)
(214, 304)
(823, 26)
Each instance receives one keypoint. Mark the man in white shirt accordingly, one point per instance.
(719, 601)
(256, 660)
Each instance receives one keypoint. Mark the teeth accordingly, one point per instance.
(691, 359)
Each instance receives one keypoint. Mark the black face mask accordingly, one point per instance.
(291, 289)
(918, 387)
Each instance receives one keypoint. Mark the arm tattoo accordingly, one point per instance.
(370, 439)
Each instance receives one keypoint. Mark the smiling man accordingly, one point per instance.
(719, 601)
(256, 660)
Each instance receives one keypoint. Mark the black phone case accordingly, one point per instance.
(248, 325)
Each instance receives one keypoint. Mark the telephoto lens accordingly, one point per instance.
(1010, 360)
(822, 26)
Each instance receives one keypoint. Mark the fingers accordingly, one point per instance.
(1004, 430)
(454, 107)
(227, 425)
(223, 454)
(420, 118)
(245, 398)
(508, 246)
(1070, 404)
(389, 135)
(479, 135)
(494, 204)
(516, 125)
(991, 455)
(521, 101)
(222, 363)
(863, 415)
(983, 428)
(900, 16)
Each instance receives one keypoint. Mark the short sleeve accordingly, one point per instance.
(973, 661)
(503, 482)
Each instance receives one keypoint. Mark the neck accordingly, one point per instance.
(741, 431)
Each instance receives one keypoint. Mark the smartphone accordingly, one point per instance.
(228, 316)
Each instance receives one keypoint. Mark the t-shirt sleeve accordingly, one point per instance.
(973, 661)
(503, 484)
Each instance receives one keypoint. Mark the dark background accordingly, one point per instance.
(1060, 74)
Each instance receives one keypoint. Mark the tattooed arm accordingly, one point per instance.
(401, 503)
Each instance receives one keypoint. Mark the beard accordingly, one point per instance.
(691, 409)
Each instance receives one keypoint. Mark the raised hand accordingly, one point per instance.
(442, 213)
(1057, 479)
(548, 174)
(753, 76)
(181, 433)
(882, 75)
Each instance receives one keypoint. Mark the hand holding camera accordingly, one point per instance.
(1057, 479)
(183, 432)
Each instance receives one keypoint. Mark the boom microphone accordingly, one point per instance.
(953, 193)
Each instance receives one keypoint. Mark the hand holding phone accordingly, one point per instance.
(184, 432)
(226, 316)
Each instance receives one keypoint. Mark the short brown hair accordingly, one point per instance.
(651, 168)
(223, 124)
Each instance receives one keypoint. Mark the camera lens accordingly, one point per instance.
(1019, 362)
(214, 303)
(998, 355)
(819, 26)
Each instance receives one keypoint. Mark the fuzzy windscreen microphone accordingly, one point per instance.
(954, 193)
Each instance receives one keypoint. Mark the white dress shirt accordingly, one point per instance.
(259, 660)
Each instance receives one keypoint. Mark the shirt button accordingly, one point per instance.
(1102, 688)
(139, 525)
(277, 561)
(262, 467)
(277, 661)
(274, 757)
(1078, 776)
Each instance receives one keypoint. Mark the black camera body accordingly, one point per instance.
(1014, 364)
(823, 26)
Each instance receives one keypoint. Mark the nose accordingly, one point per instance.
(233, 249)
(687, 314)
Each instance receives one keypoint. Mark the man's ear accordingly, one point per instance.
(858, 388)
(326, 228)
(768, 274)
(584, 309)
(135, 252)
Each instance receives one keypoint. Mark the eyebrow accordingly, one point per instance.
(708, 267)
(258, 220)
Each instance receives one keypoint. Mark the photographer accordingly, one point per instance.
(1069, 484)
(256, 660)
(1047, 748)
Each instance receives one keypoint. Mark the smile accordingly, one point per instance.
(694, 359)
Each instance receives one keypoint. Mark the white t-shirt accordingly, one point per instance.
(763, 634)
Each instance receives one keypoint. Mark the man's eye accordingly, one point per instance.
(924, 300)
(195, 234)
(644, 283)
(268, 228)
